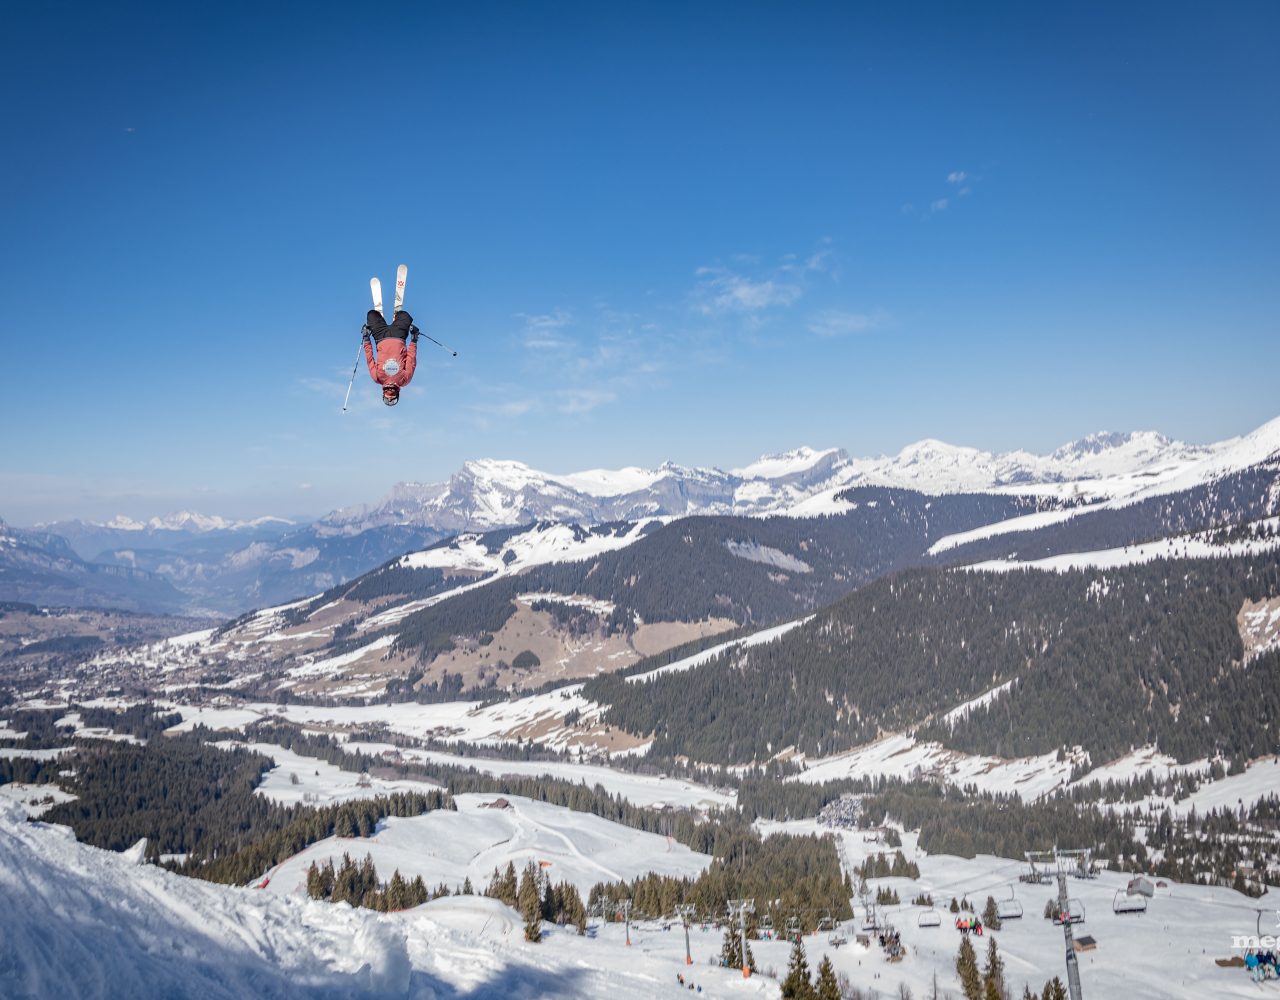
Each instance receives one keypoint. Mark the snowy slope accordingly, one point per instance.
(649, 790)
(79, 922)
(1198, 546)
(447, 846)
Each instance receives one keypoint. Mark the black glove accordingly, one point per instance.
(413, 333)
(365, 332)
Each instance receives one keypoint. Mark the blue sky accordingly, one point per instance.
(697, 232)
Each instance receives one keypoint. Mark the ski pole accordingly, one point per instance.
(354, 369)
(434, 341)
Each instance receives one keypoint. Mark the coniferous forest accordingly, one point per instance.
(1143, 654)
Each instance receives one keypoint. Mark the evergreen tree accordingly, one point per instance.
(993, 970)
(466, 886)
(503, 887)
(991, 915)
(797, 985)
(529, 897)
(827, 986)
(967, 968)
(1054, 990)
(731, 949)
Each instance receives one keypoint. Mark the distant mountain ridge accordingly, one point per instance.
(488, 493)
(225, 565)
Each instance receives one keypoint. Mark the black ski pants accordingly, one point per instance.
(379, 329)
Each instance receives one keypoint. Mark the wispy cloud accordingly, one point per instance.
(839, 323)
(961, 184)
(720, 290)
(751, 287)
(542, 331)
(579, 401)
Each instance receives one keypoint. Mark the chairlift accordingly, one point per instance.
(929, 918)
(766, 922)
(825, 923)
(1074, 914)
(869, 922)
(793, 927)
(837, 939)
(1124, 902)
(1009, 909)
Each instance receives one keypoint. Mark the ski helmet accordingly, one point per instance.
(391, 394)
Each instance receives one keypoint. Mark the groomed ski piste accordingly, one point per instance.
(81, 922)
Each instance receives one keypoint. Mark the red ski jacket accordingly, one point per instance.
(395, 362)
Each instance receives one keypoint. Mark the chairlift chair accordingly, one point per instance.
(929, 918)
(1009, 909)
(1124, 902)
(1074, 914)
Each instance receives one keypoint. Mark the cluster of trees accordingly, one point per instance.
(1080, 648)
(143, 720)
(798, 986)
(29, 770)
(572, 618)
(295, 828)
(968, 822)
(878, 866)
(74, 645)
(182, 794)
(801, 874)
(1235, 847)
(186, 796)
(473, 613)
(359, 885)
(537, 899)
(989, 981)
(986, 983)
(38, 724)
(732, 955)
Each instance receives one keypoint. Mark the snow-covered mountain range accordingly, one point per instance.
(486, 494)
(228, 565)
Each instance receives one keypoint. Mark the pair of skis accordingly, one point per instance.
(375, 286)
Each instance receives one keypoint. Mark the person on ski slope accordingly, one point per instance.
(397, 352)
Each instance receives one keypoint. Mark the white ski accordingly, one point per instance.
(402, 272)
(375, 286)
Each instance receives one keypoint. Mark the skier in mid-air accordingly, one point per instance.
(390, 350)
(396, 352)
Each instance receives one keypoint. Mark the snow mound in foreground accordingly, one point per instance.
(80, 922)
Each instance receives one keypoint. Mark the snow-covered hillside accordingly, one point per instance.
(80, 922)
